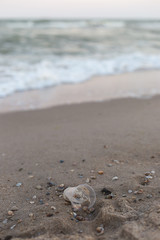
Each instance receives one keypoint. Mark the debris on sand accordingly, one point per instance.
(100, 230)
(82, 195)
(100, 172)
(105, 191)
(115, 178)
(39, 187)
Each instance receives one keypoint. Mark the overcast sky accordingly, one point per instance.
(80, 8)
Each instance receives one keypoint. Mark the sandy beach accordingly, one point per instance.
(70, 144)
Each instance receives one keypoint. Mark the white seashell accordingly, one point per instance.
(82, 195)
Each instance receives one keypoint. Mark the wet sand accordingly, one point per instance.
(99, 88)
(88, 137)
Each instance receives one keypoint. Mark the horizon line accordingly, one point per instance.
(78, 18)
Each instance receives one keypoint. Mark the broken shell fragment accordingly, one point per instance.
(80, 196)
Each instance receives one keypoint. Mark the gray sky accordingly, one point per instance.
(79, 8)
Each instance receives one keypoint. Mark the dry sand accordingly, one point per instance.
(88, 137)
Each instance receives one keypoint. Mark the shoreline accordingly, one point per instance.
(141, 84)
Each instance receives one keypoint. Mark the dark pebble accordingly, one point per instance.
(80, 175)
(49, 214)
(80, 218)
(61, 161)
(105, 191)
(41, 201)
(47, 193)
(8, 237)
(83, 160)
(50, 184)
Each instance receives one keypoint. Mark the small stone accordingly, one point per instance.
(83, 160)
(105, 146)
(34, 197)
(80, 218)
(85, 209)
(158, 211)
(39, 187)
(105, 191)
(91, 210)
(19, 221)
(61, 161)
(88, 180)
(31, 202)
(130, 191)
(10, 213)
(61, 188)
(41, 202)
(140, 191)
(61, 185)
(14, 208)
(20, 169)
(100, 172)
(100, 230)
(148, 177)
(115, 178)
(72, 170)
(18, 184)
(153, 172)
(110, 196)
(149, 196)
(5, 221)
(80, 175)
(147, 173)
(116, 161)
(31, 215)
(110, 165)
(12, 227)
(53, 208)
(49, 214)
(47, 193)
(124, 195)
(93, 177)
(30, 176)
(74, 214)
(50, 184)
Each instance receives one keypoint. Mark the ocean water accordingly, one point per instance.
(36, 54)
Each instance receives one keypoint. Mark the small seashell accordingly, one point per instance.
(100, 172)
(10, 213)
(115, 178)
(93, 177)
(100, 230)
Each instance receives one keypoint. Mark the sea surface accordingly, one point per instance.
(36, 54)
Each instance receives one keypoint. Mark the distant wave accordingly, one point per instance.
(22, 76)
(35, 54)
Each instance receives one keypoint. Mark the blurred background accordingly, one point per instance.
(44, 44)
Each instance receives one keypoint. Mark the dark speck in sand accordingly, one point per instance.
(80, 175)
(41, 201)
(61, 161)
(83, 160)
(105, 191)
(50, 184)
(8, 237)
